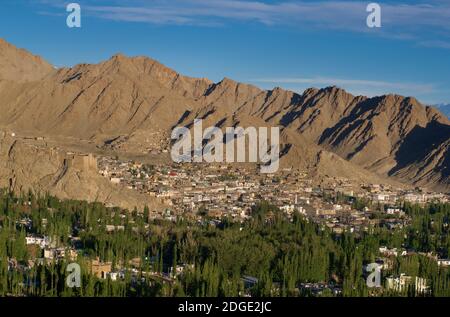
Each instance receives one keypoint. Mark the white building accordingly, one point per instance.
(41, 242)
(444, 262)
(403, 282)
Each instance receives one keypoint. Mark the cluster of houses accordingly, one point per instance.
(405, 283)
(394, 252)
(51, 252)
(219, 190)
(386, 194)
(101, 269)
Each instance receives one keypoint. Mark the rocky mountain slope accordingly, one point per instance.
(18, 65)
(27, 164)
(327, 131)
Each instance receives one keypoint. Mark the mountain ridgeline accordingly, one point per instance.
(325, 131)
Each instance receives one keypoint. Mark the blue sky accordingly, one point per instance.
(294, 44)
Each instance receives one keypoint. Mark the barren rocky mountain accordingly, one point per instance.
(30, 164)
(131, 104)
(19, 65)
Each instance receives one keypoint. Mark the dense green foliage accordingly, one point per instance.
(279, 252)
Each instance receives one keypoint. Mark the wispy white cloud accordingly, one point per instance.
(426, 23)
(340, 13)
(436, 43)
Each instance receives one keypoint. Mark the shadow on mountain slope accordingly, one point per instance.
(419, 143)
